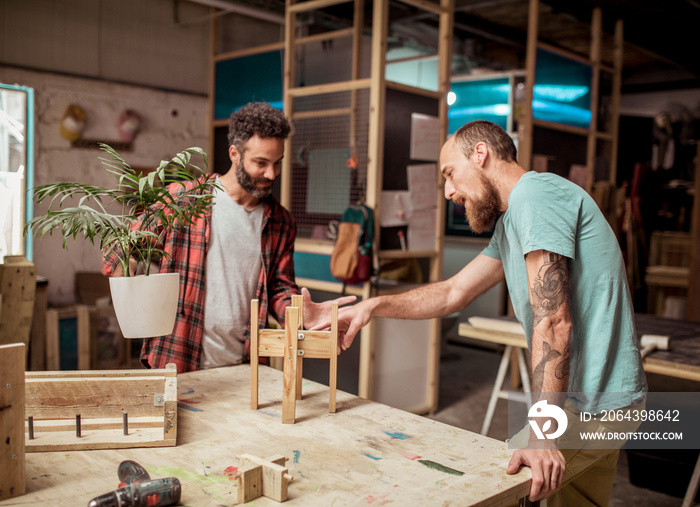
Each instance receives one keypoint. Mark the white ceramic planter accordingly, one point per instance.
(146, 306)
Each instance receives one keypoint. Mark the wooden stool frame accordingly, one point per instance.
(292, 344)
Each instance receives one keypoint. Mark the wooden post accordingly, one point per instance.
(254, 309)
(291, 344)
(12, 478)
(692, 311)
(17, 288)
(525, 122)
(333, 355)
(298, 302)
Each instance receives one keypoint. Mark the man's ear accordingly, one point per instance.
(481, 153)
(234, 155)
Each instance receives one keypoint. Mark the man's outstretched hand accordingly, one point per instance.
(318, 315)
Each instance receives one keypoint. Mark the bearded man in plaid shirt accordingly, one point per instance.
(241, 249)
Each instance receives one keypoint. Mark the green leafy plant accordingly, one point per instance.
(143, 207)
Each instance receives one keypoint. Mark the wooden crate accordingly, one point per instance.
(17, 287)
(53, 399)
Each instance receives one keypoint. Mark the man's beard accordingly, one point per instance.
(483, 210)
(249, 184)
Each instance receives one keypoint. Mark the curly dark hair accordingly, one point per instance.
(256, 118)
(498, 140)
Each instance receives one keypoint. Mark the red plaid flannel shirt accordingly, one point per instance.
(187, 247)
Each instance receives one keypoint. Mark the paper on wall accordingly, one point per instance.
(421, 229)
(395, 208)
(422, 186)
(425, 137)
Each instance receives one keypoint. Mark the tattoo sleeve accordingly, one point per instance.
(549, 292)
(550, 289)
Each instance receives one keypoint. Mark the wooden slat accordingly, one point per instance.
(37, 340)
(333, 355)
(266, 48)
(315, 343)
(53, 358)
(413, 90)
(168, 371)
(312, 5)
(340, 86)
(323, 113)
(12, 475)
(96, 397)
(526, 123)
(298, 302)
(692, 312)
(291, 322)
(83, 338)
(618, 56)
(333, 34)
(97, 439)
(254, 351)
(426, 5)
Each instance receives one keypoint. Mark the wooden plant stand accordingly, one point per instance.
(54, 399)
(292, 344)
(260, 477)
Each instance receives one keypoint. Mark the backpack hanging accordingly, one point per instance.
(352, 259)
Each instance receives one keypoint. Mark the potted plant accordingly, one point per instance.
(130, 221)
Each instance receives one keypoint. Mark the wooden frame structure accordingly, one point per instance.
(292, 344)
(54, 399)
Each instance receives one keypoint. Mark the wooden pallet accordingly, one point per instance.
(54, 399)
(12, 474)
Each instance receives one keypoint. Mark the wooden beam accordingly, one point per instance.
(291, 324)
(12, 475)
(692, 311)
(592, 140)
(254, 348)
(525, 122)
(618, 56)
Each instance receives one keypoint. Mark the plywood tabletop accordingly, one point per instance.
(365, 453)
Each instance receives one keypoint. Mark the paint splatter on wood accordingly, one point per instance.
(439, 467)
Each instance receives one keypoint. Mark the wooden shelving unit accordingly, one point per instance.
(369, 141)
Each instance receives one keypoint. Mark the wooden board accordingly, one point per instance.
(148, 397)
(17, 287)
(366, 453)
(12, 473)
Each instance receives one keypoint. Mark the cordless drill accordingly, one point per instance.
(137, 489)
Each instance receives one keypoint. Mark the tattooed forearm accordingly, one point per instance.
(551, 288)
(548, 354)
(562, 369)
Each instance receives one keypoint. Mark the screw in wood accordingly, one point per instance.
(77, 425)
(126, 423)
(30, 423)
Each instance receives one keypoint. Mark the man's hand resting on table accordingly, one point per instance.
(547, 465)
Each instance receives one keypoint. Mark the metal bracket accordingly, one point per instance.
(159, 400)
(300, 352)
(300, 336)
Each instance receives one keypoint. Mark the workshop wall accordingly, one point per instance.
(171, 122)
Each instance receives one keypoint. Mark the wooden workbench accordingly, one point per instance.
(366, 453)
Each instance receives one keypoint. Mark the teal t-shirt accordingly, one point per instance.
(548, 212)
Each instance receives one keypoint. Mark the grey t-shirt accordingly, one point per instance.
(233, 265)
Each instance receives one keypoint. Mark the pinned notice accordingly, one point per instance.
(425, 137)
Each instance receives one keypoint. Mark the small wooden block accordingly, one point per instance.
(275, 476)
(250, 483)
